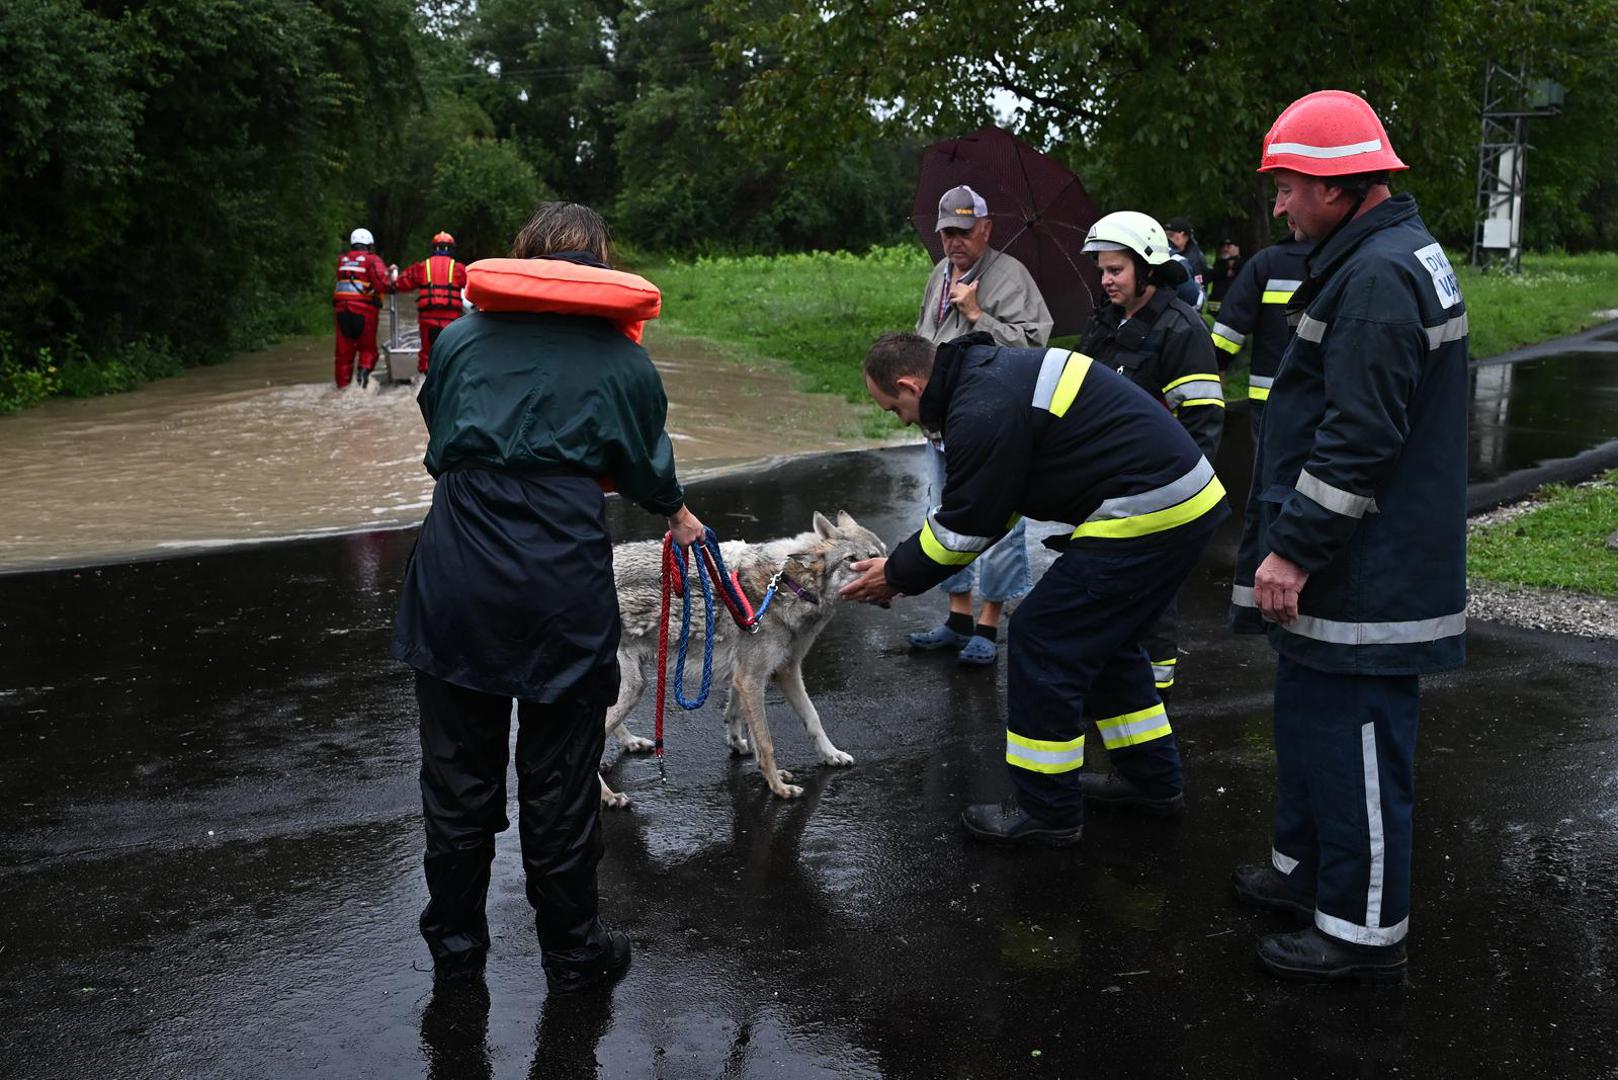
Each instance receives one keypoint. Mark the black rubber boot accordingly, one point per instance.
(1311, 956)
(362, 376)
(1110, 789)
(1269, 888)
(1007, 823)
(602, 971)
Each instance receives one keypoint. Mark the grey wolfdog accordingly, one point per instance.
(813, 567)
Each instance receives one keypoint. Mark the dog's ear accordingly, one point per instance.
(845, 520)
(823, 527)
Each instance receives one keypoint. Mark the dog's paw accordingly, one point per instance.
(786, 777)
(634, 744)
(836, 758)
(614, 800)
(740, 747)
(787, 791)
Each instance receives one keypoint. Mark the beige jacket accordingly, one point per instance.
(1014, 312)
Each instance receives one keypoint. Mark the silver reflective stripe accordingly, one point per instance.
(1310, 329)
(1327, 153)
(1123, 733)
(1284, 863)
(1163, 674)
(1377, 633)
(953, 540)
(1335, 499)
(1343, 930)
(1050, 373)
(1242, 596)
(1171, 494)
(1046, 757)
(1201, 389)
(1453, 330)
(1235, 337)
(1262, 382)
(1373, 818)
(1282, 285)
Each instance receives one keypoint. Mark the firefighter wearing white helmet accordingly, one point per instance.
(1360, 526)
(356, 301)
(1159, 343)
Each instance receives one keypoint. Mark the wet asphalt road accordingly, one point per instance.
(210, 861)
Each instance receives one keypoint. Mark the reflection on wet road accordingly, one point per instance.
(210, 864)
(266, 447)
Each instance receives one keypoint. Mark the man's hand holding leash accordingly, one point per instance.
(965, 299)
(871, 587)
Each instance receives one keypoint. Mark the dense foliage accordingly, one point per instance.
(178, 175)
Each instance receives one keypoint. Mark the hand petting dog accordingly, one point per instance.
(871, 587)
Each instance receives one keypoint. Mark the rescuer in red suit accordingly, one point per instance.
(357, 298)
(437, 282)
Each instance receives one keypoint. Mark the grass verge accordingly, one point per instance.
(1560, 544)
(820, 311)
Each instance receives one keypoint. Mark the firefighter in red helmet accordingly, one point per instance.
(356, 300)
(437, 282)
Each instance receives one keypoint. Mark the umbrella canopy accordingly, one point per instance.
(1040, 211)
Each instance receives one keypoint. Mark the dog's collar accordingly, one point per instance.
(798, 590)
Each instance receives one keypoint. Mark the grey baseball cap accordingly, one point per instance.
(960, 208)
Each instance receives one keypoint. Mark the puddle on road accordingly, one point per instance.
(265, 447)
(1528, 413)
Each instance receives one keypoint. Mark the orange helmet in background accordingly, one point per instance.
(443, 239)
(1329, 133)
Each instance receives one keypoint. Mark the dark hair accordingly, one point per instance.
(894, 355)
(562, 226)
(1358, 185)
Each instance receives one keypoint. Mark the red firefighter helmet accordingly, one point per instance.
(443, 239)
(1329, 133)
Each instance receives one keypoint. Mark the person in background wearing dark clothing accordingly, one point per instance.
(1157, 342)
(1361, 481)
(437, 282)
(1255, 313)
(1224, 271)
(1057, 436)
(1184, 243)
(510, 595)
(356, 300)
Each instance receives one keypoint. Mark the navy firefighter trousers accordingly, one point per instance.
(1345, 750)
(1075, 655)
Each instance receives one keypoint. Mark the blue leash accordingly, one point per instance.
(741, 610)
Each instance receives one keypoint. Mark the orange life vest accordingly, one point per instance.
(440, 292)
(564, 288)
(354, 279)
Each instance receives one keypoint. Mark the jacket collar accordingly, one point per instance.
(947, 360)
(1325, 259)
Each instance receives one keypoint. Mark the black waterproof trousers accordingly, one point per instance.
(464, 739)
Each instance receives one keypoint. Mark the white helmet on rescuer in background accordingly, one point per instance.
(1130, 230)
(361, 236)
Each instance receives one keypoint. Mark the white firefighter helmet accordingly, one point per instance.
(1130, 230)
(361, 236)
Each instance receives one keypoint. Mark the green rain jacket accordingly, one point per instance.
(519, 391)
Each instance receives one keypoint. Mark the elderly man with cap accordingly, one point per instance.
(977, 289)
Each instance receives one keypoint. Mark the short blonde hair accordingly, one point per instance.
(563, 226)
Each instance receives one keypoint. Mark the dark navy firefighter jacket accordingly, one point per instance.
(1256, 308)
(1054, 435)
(1361, 470)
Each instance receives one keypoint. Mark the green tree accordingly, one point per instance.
(486, 190)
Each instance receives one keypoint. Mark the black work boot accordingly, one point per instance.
(603, 970)
(362, 376)
(1311, 956)
(1268, 887)
(1110, 789)
(1007, 823)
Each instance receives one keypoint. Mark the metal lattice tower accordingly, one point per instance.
(1509, 102)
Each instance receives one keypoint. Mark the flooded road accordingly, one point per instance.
(265, 447)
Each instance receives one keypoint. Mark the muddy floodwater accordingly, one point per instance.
(265, 447)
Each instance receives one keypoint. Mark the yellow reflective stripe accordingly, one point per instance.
(1222, 342)
(1258, 393)
(1274, 296)
(1201, 376)
(429, 271)
(940, 554)
(1044, 755)
(1132, 729)
(1158, 520)
(1199, 401)
(1067, 388)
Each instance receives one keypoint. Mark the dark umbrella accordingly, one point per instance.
(1040, 211)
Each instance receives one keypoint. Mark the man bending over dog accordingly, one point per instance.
(1048, 433)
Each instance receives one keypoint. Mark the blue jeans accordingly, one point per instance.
(1002, 572)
